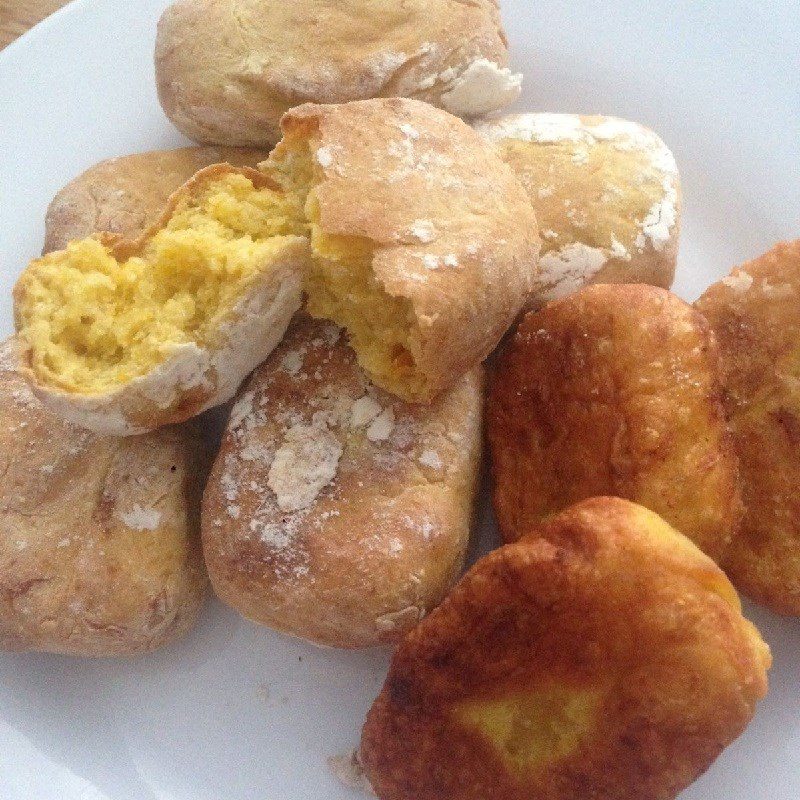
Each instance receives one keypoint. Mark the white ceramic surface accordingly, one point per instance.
(235, 712)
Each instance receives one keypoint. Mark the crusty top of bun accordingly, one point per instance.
(606, 193)
(227, 72)
(99, 545)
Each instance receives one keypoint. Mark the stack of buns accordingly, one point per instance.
(343, 290)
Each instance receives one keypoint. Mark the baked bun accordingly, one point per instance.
(99, 537)
(335, 512)
(122, 337)
(127, 195)
(603, 655)
(423, 243)
(226, 73)
(755, 313)
(614, 390)
(606, 194)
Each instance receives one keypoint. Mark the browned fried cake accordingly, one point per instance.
(755, 313)
(602, 656)
(614, 390)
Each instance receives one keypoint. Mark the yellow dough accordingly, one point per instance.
(147, 333)
(413, 235)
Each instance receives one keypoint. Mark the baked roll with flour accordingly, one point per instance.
(226, 72)
(607, 198)
(99, 536)
(127, 195)
(396, 218)
(124, 336)
(334, 511)
(423, 244)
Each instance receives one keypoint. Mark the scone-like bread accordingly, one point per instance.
(335, 512)
(424, 245)
(614, 390)
(755, 313)
(99, 537)
(603, 655)
(127, 195)
(606, 194)
(122, 337)
(227, 72)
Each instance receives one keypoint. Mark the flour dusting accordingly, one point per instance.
(304, 465)
(141, 519)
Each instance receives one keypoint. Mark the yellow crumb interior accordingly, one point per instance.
(341, 286)
(534, 728)
(94, 322)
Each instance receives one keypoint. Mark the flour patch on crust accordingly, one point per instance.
(482, 87)
(364, 411)
(566, 270)
(658, 224)
(540, 128)
(382, 426)
(139, 518)
(304, 465)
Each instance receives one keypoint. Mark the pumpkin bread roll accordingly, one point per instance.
(334, 511)
(124, 336)
(614, 390)
(127, 195)
(99, 537)
(602, 655)
(606, 194)
(755, 313)
(401, 222)
(424, 245)
(226, 73)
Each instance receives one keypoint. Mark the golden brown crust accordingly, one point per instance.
(352, 536)
(126, 195)
(607, 197)
(226, 74)
(755, 313)
(99, 537)
(614, 390)
(615, 649)
(453, 231)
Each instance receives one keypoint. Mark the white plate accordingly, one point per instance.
(235, 712)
